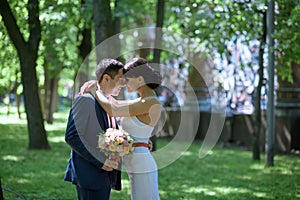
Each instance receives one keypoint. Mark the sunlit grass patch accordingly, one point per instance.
(224, 174)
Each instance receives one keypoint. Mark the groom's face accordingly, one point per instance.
(117, 83)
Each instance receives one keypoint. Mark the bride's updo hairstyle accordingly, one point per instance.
(140, 67)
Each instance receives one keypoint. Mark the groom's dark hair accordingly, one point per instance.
(108, 66)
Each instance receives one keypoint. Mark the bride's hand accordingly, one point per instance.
(88, 87)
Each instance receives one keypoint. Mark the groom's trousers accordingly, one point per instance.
(86, 194)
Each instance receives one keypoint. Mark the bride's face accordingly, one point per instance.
(133, 84)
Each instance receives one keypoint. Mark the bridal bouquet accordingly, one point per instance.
(115, 142)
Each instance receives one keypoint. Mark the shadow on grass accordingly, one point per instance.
(229, 174)
(222, 174)
(35, 174)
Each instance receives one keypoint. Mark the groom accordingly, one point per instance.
(92, 172)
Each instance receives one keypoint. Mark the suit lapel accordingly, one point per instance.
(101, 116)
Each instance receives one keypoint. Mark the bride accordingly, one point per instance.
(138, 118)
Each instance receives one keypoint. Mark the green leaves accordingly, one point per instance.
(287, 35)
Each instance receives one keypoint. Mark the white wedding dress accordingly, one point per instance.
(140, 165)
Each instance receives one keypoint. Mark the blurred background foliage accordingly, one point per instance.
(69, 30)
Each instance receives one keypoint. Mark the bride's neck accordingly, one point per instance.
(145, 91)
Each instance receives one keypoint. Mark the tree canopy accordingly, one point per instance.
(53, 30)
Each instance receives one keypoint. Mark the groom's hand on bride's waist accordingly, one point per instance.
(110, 165)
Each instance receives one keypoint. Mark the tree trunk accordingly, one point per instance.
(160, 11)
(17, 96)
(37, 132)
(18, 105)
(50, 99)
(84, 48)
(9, 91)
(51, 96)
(27, 52)
(257, 125)
(102, 18)
(117, 30)
(1, 193)
(270, 132)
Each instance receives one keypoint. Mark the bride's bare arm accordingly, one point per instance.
(123, 102)
(140, 107)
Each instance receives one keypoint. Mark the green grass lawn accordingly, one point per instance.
(223, 174)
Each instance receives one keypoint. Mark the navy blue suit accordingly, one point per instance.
(86, 121)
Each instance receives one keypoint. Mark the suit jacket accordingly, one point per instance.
(86, 121)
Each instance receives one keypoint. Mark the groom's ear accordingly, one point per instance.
(106, 77)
